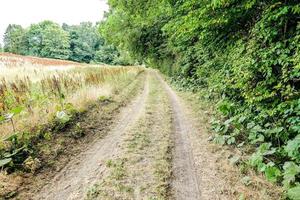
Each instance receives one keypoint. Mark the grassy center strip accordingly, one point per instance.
(142, 169)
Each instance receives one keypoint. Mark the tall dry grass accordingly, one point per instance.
(41, 91)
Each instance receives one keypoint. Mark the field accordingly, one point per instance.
(14, 60)
(35, 92)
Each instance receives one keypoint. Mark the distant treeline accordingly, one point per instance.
(80, 43)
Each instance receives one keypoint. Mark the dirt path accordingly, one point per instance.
(142, 168)
(157, 116)
(185, 184)
(86, 168)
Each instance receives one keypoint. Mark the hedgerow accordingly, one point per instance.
(243, 53)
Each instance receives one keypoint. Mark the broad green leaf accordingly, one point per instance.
(15, 152)
(242, 119)
(17, 110)
(264, 149)
(257, 129)
(276, 130)
(294, 193)
(256, 159)
(290, 172)
(63, 117)
(219, 139)
(4, 162)
(296, 128)
(2, 118)
(11, 137)
(272, 173)
(231, 140)
(258, 139)
(292, 148)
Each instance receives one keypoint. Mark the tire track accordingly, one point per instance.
(185, 184)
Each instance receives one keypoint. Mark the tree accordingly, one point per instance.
(33, 40)
(47, 39)
(55, 43)
(136, 27)
(85, 40)
(13, 39)
(107, 54)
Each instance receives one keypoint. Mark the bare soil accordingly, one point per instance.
(186, 183)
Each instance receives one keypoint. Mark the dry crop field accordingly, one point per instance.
(13, 60)
(36, 91)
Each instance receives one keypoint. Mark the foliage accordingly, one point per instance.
(81, 43)
(85, 40)
(41, 41)
(13, 39)
(244, 54)
(38, 40)
(107, 54)
(294, 193)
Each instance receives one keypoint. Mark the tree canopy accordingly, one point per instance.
(81, 43)
(84, 40)
(13, 38)
(40, 40)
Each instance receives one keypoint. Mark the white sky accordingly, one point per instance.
(26, 12)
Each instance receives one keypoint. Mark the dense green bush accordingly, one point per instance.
(243, 53)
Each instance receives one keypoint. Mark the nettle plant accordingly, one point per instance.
(276, 144)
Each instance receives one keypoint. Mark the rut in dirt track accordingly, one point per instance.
(185, 184)
(72, 181)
